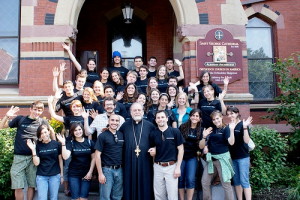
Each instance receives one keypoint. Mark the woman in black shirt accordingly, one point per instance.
(191, 131)
(82, 163)
(240, 152)
(46, 155)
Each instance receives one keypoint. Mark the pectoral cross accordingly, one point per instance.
(137, 151)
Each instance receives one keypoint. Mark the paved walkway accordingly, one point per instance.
(217, 194)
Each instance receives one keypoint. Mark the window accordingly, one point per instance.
(9, 41)
(260, 59)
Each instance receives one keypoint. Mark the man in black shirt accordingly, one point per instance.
(109, 153)
(23, 171)
(167, 147)
(117, 65)
(152, 66)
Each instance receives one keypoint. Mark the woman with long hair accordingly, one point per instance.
(162, 78)
(46, 155)
(105, 77)
(192, 132)
(82, 163)
(163, 101)
(152, 84)
(118, 81)
(153, 100)
(216, 144)
(240, 152)
(172, 91)
(129, 97)
(182, 110)
(210, 104)
(98, 91)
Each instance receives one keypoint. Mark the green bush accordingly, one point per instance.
(268, 157)
(56, 125)
(6, 157)
(294, 190)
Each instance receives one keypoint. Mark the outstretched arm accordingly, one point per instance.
(71, 55)
(62, 68)
(55, 74)
(51, 102)
(10, 113)
(221, 98)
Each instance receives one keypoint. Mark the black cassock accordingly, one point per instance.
(138, 171)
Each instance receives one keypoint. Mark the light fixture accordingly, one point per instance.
(127, 10)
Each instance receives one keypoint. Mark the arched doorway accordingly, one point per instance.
(154, 26)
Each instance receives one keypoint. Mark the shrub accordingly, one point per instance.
(56, 125)
(268, 157)
(6, 157)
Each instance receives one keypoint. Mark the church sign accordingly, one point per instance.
(221, 55)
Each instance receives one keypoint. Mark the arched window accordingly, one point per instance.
(260, 58)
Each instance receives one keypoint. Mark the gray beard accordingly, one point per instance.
(137, 118)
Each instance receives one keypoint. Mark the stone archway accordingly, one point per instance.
(67, 12)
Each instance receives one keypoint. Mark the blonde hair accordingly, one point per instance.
(92, 94)
(101, 88)
(186, 99)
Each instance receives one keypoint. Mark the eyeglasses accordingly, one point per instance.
(116, 137)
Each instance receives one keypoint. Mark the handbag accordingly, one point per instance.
(251, 145)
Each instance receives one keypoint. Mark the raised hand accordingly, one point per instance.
(65, 46)
(62, 67)
(207, 131)
(31, 144)
(58, 94)
(226, 80)
(177, 62)
(85, 114)
(55, 72)
(93, 113)
(119, 96)
(12, 111)
(61, 138)
(247, 122)
(232, 125)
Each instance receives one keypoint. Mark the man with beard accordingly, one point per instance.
(138, 171)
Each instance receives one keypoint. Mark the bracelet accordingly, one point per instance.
(34, 155)
(63, 145)
(245, 128)
(204, 138)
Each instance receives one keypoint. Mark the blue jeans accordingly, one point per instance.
(241, 169)
(79, 187)
(113, 188)
(48, 183)
(188, 173)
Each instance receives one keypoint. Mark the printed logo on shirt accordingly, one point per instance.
(47, 150)
(78, 150)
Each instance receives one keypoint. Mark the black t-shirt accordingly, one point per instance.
(153, 108)
(48, 154)
(239, 149)
(207, 108)
(108, 83)
(110, 148)
(92, 77)
(162, 85)
(123, 71)
(64, 103)
(166, 144)
(26, 129)
(81, 157)
(69, 120)
(142, 85)
(217, 141)
(151, 74)
(191, 143)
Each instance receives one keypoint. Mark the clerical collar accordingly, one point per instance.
(137, 122)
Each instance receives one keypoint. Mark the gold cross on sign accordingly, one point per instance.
(137, 151)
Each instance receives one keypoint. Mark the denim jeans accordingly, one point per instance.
(241, 169)
(188, 173)
(48, 183)
(79, 187)
(113, 188)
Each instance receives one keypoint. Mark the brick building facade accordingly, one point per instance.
(169, 28)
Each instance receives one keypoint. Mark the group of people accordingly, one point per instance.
(143, 134)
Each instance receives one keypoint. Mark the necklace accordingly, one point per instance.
(209, 102)
(137, 149)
